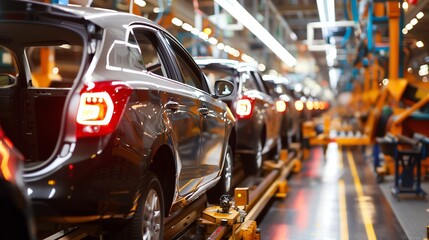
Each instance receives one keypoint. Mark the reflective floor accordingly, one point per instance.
(335, 196)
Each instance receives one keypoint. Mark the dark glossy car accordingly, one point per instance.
(16, 215)
(258, 122)
(112, 113)
(290, 118)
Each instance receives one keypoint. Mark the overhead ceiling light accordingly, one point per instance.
(404, 31)
(188, 27)
(405, 5)
(420, 15)
(331, 10)
(420, 44)
(414, 21)
(140, 3)
(213, 41)
(242, 16)
(409, 26)
(177, 21)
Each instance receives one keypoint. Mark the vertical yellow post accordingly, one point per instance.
(379, 11)
(394, 14)
(43, 77)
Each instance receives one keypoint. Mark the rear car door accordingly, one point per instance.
(273, 117)
(267, 103)
(213, 125)
(180, 107)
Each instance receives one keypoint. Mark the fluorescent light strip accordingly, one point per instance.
(331, 11)
(242, 16)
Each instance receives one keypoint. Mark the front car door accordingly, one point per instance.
(272, 117)
(211, 113)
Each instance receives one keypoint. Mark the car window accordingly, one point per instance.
(191, 74)
(8, 67)
(218, 74)
(259, 82)
(124, 56)
(149, 56)
(248, 82)
(54, 65)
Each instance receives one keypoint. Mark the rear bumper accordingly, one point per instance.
(102, 187)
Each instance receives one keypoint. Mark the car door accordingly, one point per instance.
(180, 107)
(211, 112)
(271, 118)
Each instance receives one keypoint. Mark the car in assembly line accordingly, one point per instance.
(258, 122)
(290, 122)
(116, 121)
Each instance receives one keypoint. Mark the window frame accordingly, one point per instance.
(185, 54)
(160, 45)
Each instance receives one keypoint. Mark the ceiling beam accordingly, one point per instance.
(288, 9)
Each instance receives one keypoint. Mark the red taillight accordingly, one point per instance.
(101, 107)
(299, 105)
(244, 107)
(280, 106)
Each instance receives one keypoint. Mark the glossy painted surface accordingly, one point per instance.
(264, 122)
(290, 119)
(335, 196)
(176, 130)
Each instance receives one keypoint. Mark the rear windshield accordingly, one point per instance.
(54, 54)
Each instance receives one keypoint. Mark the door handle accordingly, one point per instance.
(204, 111)
(172, 105)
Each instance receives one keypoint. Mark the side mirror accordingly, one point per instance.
(6, 79)
(223, 88)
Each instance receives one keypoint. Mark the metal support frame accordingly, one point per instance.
(316, 45)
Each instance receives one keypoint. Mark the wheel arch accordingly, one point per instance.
(164, 167)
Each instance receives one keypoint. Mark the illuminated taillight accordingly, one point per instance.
(309, 105)
(280, 106)
(244, 107)
(95, 109)
(101, 107)
(316, 105)
(299, 105)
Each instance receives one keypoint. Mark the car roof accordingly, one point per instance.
(104, 18)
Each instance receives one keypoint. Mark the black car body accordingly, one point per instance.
(113, 115)
(290, 118)
(258, 122)
(16, 215)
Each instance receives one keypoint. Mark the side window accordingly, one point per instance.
(259, 82)
(8, 68)
(124, 56)
(248, 82)
(191, 74)
(150, 57)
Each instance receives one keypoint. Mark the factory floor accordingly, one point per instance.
(336, 196)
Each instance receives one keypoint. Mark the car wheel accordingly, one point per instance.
(252, 163)
(275, 152)
(148, 221)
(224, 184)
